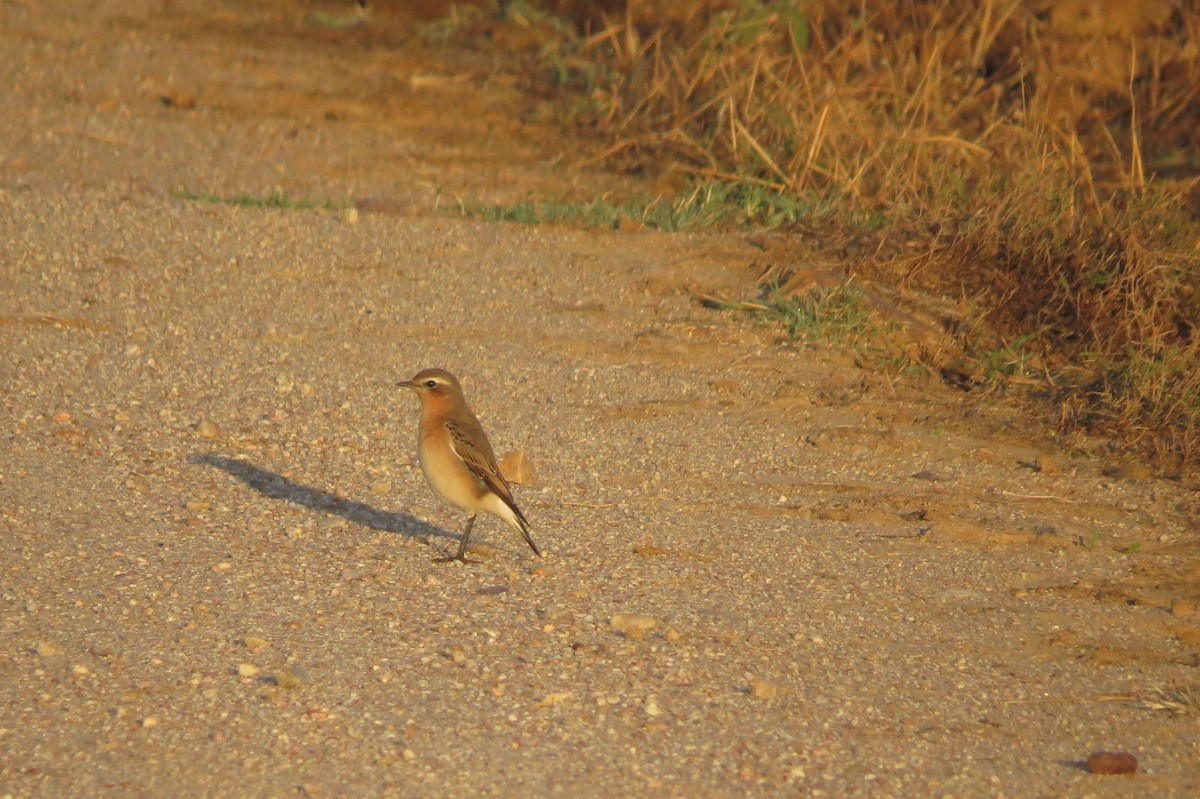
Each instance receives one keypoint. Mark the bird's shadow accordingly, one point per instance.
(276, 486)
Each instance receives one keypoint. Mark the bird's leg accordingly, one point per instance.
(466, 537)
(462, 546)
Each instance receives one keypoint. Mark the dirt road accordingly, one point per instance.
(769, 572)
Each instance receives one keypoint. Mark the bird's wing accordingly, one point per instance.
(470, 444)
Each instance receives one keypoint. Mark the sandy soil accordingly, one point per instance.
(769, 571)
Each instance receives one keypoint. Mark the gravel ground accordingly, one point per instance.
(769, 572)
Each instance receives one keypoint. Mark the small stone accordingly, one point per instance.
(288, 678)
(247, 670)
(46, 649)
(177, 97)
(196, 506)
(149, 721)
(673, 636)
(382, 488)
(492, 590)
(652, 708)
(79, 668)
(761, 689)
(222, 567)
(62, 417)
(1112, 763)
(483, 550)
(555, 699)
(207, 429)
(409, 754)
(633, 626)
(255, 644)
(925, 474)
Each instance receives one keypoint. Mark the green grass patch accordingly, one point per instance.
(707, 204)
(840, 314)
(277, 199)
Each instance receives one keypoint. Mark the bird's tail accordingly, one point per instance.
(521, 525)
(524, 529)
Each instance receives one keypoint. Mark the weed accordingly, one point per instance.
(838, 314)
(707, 204)
(1179, 700)
(275, 199)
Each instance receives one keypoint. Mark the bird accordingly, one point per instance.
(457, 458)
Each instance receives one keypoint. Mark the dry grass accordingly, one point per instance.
(1036, 160)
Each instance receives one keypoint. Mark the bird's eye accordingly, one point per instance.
(430, 384)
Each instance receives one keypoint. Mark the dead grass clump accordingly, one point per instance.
(1037, 156)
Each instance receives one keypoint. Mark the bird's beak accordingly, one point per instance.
(406, 384)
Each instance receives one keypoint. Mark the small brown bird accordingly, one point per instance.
(457, 459)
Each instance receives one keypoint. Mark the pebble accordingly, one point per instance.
(634, 626)
(149, 721)
(255, 644)
(46, 649)
(207, 429)
(1112, 763)
(247, 670)
(289, 678)
(1180, 607)
(176, 97)
(555, 699)
(762, 689)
